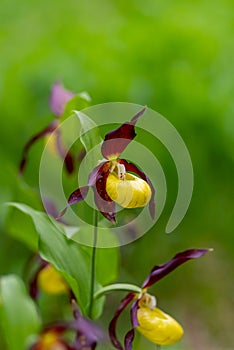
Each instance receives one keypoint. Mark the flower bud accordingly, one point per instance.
(158, 327)
(51, 281)
(129, 191)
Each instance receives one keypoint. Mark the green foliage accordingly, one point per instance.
(19, 317)
(71, 259)
(174, 57)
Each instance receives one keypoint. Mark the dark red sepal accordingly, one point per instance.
(104, 203)
(44, 132)
(59, 98)
(76, 196)
(112, 327)
(161, 271)
(130, 167)
(117, 140)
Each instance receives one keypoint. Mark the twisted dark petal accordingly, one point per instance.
(134, 169)
(129, 339)
(104, 203)
(76, 196)
(130, 335)
(44, 132)
(112, 327)
(117, 140)
(161, 271)
(59, 98)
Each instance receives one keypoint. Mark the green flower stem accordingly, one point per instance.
(158, 347)
(93, 262)
(124, 287)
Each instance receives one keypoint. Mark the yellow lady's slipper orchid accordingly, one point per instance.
(128, 190)
(154, 324)
(51, 282)
(158, 327)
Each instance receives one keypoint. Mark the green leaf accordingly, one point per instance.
(90, 138)
(68, 257)
(107, 259)
(18, 313)
(17, 224)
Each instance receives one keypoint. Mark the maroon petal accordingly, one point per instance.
(76, 196)
(59, 98)
(161, 271)
(104, 203)
(46, 131)
(117, 140)
(134, 169)
(112, 326)
(130, 335)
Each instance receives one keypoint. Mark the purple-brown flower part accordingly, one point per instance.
(78, 195)
(130, 167)
(44, 132)
(161, 271)
(112, 326)
(103, 202)
(117, 140)
(59, 98)
(87, 333)
(130, 335)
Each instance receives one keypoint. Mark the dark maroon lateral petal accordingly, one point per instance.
(44, 132)
(117, 140)
(129, 339)
(97, 179)
(59, 98)
(112, 327)
(76, 196)
(161, 271)
(134, 169)
(130, 335)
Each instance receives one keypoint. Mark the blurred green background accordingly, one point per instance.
(177, 58)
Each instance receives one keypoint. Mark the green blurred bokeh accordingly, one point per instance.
(177, 58)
